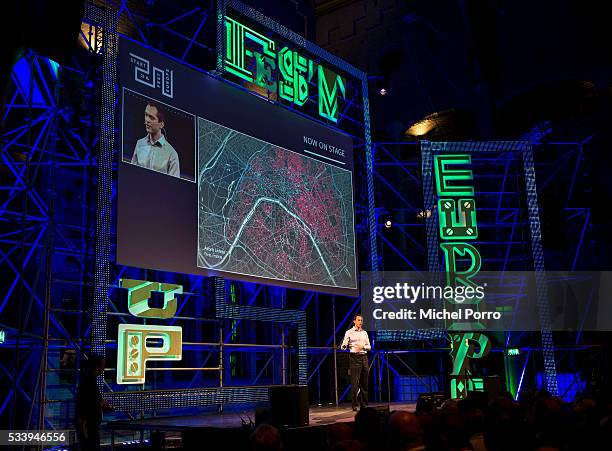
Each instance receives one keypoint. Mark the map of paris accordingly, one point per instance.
(270, 212)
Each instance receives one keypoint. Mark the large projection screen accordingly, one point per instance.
(214, 180)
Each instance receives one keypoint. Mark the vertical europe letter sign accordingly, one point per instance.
(457, 224)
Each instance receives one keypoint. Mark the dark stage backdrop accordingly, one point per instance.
(264, 195)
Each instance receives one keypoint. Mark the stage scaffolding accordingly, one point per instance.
(54, 161)
(58, 237)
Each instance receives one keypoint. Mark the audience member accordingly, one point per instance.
(348, 445)
(405, 432)
(369, 428)
(266, 438)
(338, 432)
(537, 421)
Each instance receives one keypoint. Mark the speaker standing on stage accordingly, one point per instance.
(357, 341)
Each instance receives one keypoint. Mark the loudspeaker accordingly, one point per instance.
(289, 405)
(428, 402)
(342, 364)
(382, 410)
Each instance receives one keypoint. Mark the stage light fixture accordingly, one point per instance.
(382, 85)
(430, 122)
(388, 223)
(424, 214)
(421, 128)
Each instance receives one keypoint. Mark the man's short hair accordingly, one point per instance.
(404, 427)
(266, 438)
(358, 314)
(161, 117)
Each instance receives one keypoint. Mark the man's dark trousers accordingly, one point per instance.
(360, 372)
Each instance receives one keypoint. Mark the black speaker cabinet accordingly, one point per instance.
(428, 402)
(289, 405)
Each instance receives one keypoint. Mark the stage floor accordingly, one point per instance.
(319, 416)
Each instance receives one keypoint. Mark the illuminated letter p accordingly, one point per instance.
(134, 349)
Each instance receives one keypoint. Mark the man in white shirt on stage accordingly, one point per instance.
(357, 341)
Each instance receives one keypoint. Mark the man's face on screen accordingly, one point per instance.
(152, 122)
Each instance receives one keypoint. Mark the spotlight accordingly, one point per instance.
(423, 214)
(388, 224)
(382, 85)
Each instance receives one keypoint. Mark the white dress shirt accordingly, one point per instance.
(159, 156)
(354, 339)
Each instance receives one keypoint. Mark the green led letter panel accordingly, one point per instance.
(444, 175)
(293, 68)
(139, 294)
(236, 51)
(328, 99)
(464, 347)
(452, 252)
(133, 352)
(265, 68)
(457, 223)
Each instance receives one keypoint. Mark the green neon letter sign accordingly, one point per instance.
(139, 294)
(296, 71)
(236, 52)
(328, 99)
(293, 67)
(454, 277)
(445, 175)
(457, 223)
(133, 351)
(464, 347)
(265, 66)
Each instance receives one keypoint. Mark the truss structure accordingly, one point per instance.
(509, 204)
(56, 240)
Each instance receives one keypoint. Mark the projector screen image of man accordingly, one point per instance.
(357, 342)
(154, 151)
